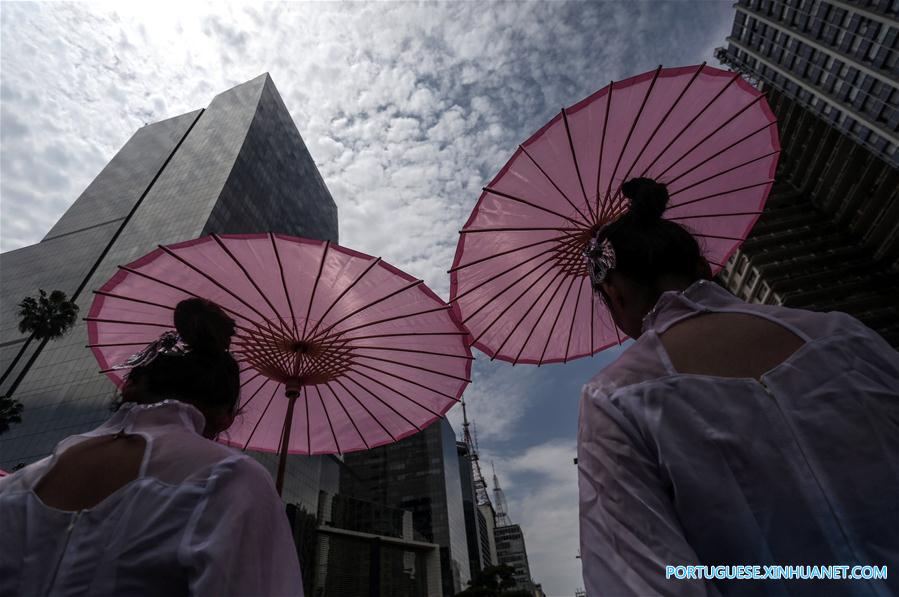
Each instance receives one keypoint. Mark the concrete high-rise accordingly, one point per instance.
(828, 239)
(512, 552)
(239, 165)
(837, 58)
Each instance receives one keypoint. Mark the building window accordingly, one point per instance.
(753, 278)
(744, 263)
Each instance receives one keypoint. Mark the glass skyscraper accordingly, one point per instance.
(237, 166)
(419, 474)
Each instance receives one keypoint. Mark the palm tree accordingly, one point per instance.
(45, 317)
(10, 411)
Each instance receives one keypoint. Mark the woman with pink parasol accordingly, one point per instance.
(728, 433)
(148, 503)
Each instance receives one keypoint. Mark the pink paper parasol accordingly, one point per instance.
(370, 354)
(519, 282)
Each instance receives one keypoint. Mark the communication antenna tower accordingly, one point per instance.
(502, 510)
(480, 486)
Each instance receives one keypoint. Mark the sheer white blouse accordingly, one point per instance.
(799, 468)
(200, 519)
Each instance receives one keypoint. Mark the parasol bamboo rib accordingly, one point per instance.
(328, 417)
(420, 368)
(485, 303)
(528, 312)
(415, 351)
(342, 294)
(556, 320)
(509, 252)
(577, 301)
(242, 384)
(535, 229)
(553, 183)
(394, 390)
(529, 204)
(264, 411)
(293, 315)
(687, 126)
(367, 306)
(664, 119)
(743, 213)
(600, 209)
(321, 267)
(347, 413)
(539, 319)
(365, 408)
(249, 278)
(381, 400)
(723, 150)
(134, 300)
(514, 302)
(503, 273)
(403, 379)
(577, 168)
(256, 393)
(340, 333)
(713, 195)
(699, 143)
(185, 291)
(716, 175)
(631, 132)
(216, 283)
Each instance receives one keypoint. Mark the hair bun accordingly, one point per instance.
(203, 325)
(648, 199)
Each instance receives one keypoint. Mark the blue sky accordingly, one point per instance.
(407, 108)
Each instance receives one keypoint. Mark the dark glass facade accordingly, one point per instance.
(419, 474)
(365, 548)
(838, 59)
(238, 166)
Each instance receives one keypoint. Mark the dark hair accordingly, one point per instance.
(648, 246)
(206, 376)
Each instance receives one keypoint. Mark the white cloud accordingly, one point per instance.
(540, 485)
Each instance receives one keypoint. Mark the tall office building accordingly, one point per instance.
(829, 236)
(839, 59)
(509, 542)
(239, 165)
(511, 551)
(419, 474)
(476, 525)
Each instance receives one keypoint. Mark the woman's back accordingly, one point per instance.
(171, 513)
(694, 453)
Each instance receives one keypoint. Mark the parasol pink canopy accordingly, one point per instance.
(519, 282)
(370, 354)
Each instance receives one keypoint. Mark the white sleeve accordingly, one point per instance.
(239, 543)
(629, 528)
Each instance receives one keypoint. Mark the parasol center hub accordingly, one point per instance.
(292, 388)
(302, 347)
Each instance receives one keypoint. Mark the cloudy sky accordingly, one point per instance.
(408, 110)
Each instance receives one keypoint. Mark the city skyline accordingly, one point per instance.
(407, 111)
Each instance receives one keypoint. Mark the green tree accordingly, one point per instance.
(44, 317)
(493, 581)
